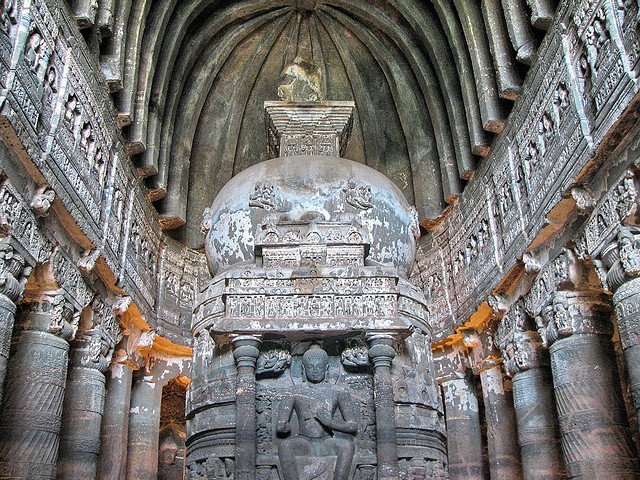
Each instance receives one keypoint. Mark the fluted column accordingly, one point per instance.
(11, 267)
(528, 364)
(594, 436)
(622, 258)
(381, 354)
(112, 459)
(464, 437)
(31, 415)
(84, 399)
(504, 457)
(245, 353)
(144, 429)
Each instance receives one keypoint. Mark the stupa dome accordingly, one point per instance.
(299, 188)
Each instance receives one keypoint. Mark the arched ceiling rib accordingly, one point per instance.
(432, 82)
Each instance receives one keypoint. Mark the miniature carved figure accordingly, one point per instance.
(358, 195)
(326, 424)
(35, 56)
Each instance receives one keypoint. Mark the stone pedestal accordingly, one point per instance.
(591, 416)
(245, 353)
(464, 437)
(144, 429)
(112, 460)
(31, 415)
(504, 457)
(381, 353)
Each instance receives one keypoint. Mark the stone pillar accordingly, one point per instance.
(381, 353)
(504, 457)
(528, 364)
(245, 353)
(144, 429)
(84, 398)
(114, 436)
(622, 258)
(464, 437)
(591, 416)
(11, 267)
(485, 360)
(36, 378)
(626, 302)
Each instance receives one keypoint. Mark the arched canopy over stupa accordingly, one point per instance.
(432, 83)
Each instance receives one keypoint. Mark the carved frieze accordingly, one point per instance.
(19, 221)
(598, 57)
(615, 206)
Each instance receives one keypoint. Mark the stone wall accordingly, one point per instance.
(540, 179)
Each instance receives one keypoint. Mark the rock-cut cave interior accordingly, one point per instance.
(319, 239)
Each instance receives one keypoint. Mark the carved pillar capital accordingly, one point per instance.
(575, 312)
(48, 311)
(94, 346)
(483, 352)
(621, 257)
(12, 271)
(521, 345)
(450, 362)
(528, 352)
(246, 350)
(381, 351)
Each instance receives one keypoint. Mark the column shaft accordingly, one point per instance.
(245, 447)
(626, 302)
(464, 437)
(538, 434)
(32, 410)
(504, 458)
(591, 417)
(82, 416)
(7, 312)
(245, 352)
(112, 460)
(381, 353)
(144, 430)
(387, 446)
(11, 288)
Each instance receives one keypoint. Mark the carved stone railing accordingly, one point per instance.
(579, 104)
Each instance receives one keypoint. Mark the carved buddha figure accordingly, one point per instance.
(326, 420)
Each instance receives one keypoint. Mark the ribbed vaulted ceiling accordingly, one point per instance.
(432, 82)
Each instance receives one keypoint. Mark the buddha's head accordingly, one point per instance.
(315, 363)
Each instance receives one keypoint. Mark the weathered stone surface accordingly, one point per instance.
(144, 428)
(114, 431)
(32, 409)
(464, 437)
(594, 433)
